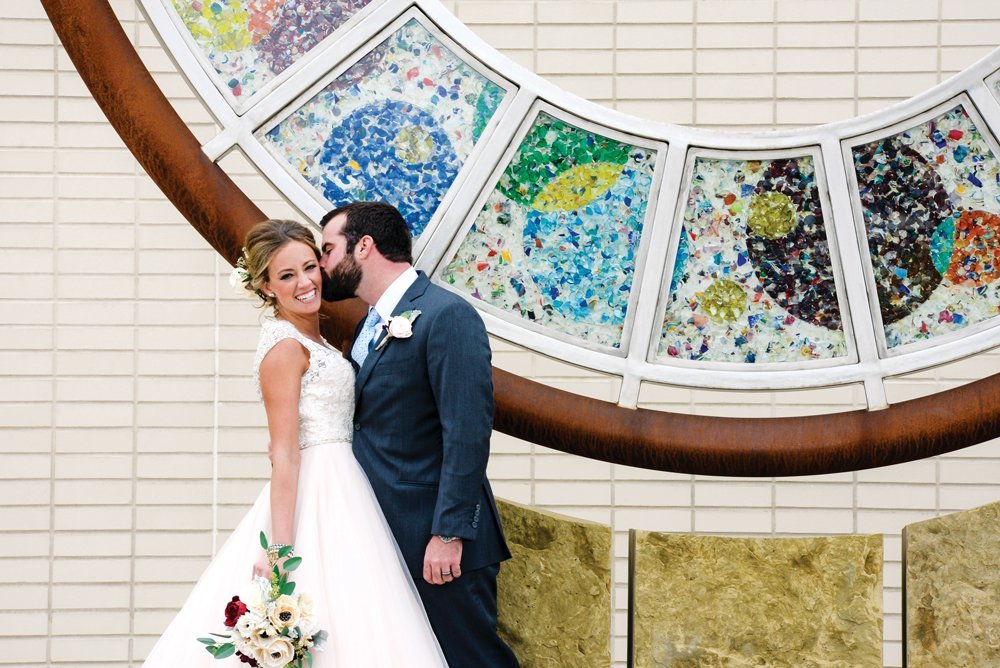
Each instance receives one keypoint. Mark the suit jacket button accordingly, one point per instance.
(357, 426)
(477, 506)
(475, 524)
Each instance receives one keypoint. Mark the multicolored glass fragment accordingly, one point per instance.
(931, 201)
(249, 42)
(752, 279)
(397, 126)
(557, 241)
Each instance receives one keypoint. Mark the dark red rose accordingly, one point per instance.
(234, 610)
(246, 659)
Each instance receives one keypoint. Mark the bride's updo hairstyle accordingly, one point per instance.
(262, 242)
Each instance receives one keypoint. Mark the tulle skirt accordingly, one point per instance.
(351, 568)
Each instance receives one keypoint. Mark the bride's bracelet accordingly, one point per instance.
(273, 550)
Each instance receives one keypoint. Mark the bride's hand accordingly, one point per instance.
(262, 568)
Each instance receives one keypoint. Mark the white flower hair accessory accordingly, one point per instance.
(398, 327)
(239, 279)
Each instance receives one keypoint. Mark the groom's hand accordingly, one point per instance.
(442, 561)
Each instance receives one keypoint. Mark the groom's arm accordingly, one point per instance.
(461, 379)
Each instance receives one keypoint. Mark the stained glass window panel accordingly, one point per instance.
(931, 208)
(249, 42)
(752, 279)
(558, 239)
(397, 126)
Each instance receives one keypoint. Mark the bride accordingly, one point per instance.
(318, 500)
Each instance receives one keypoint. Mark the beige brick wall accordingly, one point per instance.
(130, 437)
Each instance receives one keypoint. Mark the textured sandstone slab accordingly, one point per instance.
(555, 593)
(705, 601)
(952, 590)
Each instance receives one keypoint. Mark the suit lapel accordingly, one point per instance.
(412, 294)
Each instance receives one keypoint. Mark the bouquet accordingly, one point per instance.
(270, 626)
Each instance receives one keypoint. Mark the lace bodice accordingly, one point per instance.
(326, 403)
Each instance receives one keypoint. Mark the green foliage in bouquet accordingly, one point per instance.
(270, 626)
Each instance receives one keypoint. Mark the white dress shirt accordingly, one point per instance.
(387, 303)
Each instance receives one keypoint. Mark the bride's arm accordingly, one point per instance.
(280, 382)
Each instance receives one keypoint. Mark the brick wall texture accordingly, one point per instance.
(131, 440)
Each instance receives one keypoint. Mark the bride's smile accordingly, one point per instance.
(295, 279)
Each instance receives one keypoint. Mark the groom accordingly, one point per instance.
(422, 423)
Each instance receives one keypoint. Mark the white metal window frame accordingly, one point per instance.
(901, 126)
(868, 362)
(241, 105)
(512, 326)
(280, 109)
(829, 232)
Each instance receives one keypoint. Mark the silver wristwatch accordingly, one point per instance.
(448, 539)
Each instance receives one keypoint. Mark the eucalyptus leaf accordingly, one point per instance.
(287, 588)
(207, 641)
(293, 563)
(285, 551)
(226, 650)
(263, 540)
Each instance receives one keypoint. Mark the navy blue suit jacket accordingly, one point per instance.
(423, 418)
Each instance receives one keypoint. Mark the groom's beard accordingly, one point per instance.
(343, 282)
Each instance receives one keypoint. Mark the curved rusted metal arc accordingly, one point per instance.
(159, 139)
(148, 124)
(846, 441)
(216, 207)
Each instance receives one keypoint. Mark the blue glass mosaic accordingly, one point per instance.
(397, 126)
(557, 241)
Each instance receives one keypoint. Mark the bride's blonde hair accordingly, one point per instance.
(262, 242)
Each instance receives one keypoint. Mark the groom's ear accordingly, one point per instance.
(364, 247)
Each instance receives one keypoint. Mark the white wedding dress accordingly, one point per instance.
(351, 567)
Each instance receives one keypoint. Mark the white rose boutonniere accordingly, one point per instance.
(399, 327)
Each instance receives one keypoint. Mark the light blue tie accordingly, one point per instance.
(363, 344)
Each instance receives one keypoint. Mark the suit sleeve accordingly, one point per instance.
(461, 379)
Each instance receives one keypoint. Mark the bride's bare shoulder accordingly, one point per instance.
(287, 356)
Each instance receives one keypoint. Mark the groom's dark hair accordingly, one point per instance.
(382, 222)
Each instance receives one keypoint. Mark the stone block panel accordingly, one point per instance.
(554, 595)
(951, 590)
(709, 601)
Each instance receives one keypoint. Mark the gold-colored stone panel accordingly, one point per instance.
(554, 595)
(952, 590)
(709, 602)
